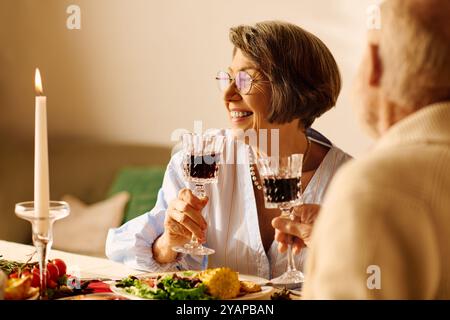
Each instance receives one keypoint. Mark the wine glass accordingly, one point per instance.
(201, 159)
(281, 179)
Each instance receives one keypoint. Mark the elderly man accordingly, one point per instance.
(384, 229)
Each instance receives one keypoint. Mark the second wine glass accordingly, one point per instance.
(281, 177)
(201, 161)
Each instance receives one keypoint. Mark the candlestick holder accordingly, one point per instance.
(42, 228)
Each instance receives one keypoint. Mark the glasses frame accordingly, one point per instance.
(232, 80)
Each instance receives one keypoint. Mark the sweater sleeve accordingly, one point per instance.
(372, 241)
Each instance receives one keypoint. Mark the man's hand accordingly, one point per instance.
(298, 231)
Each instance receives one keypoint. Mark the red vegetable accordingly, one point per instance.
(53, 272)
(35, 279)
(61, 266)
(52, 284)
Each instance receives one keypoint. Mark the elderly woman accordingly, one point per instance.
(281, 77)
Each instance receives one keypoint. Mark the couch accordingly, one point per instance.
(83, 169)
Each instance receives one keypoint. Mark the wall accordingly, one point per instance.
(139, 69)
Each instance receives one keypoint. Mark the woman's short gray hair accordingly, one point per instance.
(304, 76)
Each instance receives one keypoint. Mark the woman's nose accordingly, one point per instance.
(231, 93)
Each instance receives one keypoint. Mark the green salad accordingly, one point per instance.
(170, 287)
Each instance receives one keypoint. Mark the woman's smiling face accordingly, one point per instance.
(247, 110)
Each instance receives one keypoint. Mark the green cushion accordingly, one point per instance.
(143, 184)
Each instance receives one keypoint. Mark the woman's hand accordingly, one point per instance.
(183, 219)
(300, 228)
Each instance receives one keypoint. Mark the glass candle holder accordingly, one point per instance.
(42, 233)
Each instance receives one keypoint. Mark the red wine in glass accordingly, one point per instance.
(281, 190)
(202, 168)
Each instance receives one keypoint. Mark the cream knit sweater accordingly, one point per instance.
(384, 229)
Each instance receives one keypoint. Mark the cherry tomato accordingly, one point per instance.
(61, 266)
(52, 272)
(14, 275)
(35, 283)
(52, 284)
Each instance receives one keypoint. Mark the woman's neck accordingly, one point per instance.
(289, 139)
(292, 140)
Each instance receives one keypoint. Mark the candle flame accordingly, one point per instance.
(38, 83)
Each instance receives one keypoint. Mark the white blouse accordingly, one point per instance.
(231, 214)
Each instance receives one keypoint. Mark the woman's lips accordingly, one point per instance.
(240, 116)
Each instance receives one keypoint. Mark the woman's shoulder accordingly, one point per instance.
(340, 155)
(318, 137)
(334, 152)
(330, 165)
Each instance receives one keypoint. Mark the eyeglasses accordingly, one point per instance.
(243, 81)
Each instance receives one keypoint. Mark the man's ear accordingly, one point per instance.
(375, 68)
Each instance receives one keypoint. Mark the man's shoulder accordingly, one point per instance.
(371, 188)
(377, 167)
(373, 183)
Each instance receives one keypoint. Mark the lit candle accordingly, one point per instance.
(41, 180)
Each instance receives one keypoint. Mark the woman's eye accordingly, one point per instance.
(243, 79)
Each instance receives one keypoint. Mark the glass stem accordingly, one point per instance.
(194, 242)
(199, 191)
(42, 251)
(288, 214)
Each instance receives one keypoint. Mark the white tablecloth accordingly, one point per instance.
(78, 265)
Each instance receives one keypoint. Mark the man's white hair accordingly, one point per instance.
(415, 51)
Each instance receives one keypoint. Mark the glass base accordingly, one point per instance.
(196, 250)
(290, 279)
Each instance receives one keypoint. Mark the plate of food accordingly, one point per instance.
(210, 284)
(96, 296)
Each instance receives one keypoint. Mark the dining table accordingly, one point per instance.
(85, 267)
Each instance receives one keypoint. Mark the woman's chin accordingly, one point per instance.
(242, 124)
